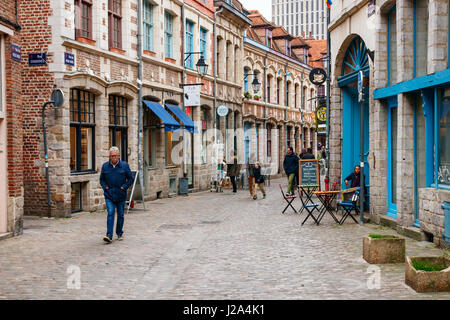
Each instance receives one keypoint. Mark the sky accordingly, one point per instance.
(263, 6)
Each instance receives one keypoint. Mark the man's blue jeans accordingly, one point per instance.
(111, 208)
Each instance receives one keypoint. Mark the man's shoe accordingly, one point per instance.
(120, 238)
(107, 239)
(255, 197)
(264, 196)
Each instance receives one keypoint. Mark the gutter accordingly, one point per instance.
(215, 71)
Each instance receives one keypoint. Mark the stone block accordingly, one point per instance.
(387, 249)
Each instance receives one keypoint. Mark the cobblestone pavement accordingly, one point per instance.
(203, 246)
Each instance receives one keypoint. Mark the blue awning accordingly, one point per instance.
(170, 124)
(188, 123)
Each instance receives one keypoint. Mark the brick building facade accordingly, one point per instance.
(11, 117)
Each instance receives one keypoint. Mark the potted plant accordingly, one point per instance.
(428, 274)
(256, 97)
(379, 248)
(247, 95)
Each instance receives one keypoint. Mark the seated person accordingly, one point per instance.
(354, 177)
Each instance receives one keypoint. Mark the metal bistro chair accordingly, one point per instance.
(310, 208)
(288, 199)
(349, 206)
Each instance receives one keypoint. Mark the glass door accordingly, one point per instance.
(392, 157)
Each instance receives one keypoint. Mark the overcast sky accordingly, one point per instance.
(263, 6)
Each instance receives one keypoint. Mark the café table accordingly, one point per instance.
(308, 191)
(327, 198)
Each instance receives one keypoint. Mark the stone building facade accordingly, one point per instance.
(279, 116)
(403, 48)
(11, 117)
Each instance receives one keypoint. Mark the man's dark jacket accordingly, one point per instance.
(114, 178)
(259, 178)
(290, 164)
(355, 179)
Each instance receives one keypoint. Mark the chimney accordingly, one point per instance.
(310, 35)
(303, 34)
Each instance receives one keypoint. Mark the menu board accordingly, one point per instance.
(309, 172)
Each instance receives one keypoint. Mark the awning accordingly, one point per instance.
(170, 124)
(188, 123)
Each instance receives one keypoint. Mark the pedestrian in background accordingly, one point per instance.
(233, 171)
(290, 165)
(308, 154)
(115, 179)
(302, 153)
(250, 175)
(259, 181)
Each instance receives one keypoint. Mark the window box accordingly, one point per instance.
(117, 50)
(170, 60)
(86, 40)
(428, 281)
(150, 53)
(383, 249)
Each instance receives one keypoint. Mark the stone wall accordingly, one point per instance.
(431, 214)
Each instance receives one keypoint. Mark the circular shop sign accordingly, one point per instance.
(222, 111)
(317, 76)
(322, 113)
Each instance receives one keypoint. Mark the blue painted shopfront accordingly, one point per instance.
(355, 60)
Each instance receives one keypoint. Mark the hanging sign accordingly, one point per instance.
(317, 76)
(371, 8)
(16, 52)
(37, 59)
(321, 118)
(222, 111)
(192, 95)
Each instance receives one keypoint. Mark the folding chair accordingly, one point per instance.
(288, 199)
(349, 206)
(309, 208)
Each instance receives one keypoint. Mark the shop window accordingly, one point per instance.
(420, 37)
(148, 25)
(151, 123)
(392, 46)
(82, 126)
(204, 119)
(115, 23)
(169, 148)
(83, 18)
(118, 125)
(444, 137)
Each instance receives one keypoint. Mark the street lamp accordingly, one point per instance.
(256, 85)
(202, 67)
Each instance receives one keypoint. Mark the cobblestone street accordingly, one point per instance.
(204, 246)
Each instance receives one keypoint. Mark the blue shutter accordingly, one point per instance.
(190, 44)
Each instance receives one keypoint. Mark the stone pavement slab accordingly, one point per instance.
(203, 246)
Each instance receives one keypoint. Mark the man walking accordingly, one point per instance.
(115, 179)
(308, 154)
(290, 165)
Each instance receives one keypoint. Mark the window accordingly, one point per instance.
(278, 91)
(204, 119)
(287, 93)
(82, 125)
(420, 37)
(295, 95)
(269, 140)
(246, 79)
(303, 106)
(148, 26)
(219, 42)
(118, 125)
(444, 137)
(312, 100)
(269, 80)
(83, 18)
(115, 23)
(204, 43)
(168, 35)
(76, 199)
(169, 147)
(392, 47)
(190, 43)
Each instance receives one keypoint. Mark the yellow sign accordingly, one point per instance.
(322, 113)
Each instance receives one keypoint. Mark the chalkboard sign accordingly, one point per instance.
(309, 172)
(130, 193)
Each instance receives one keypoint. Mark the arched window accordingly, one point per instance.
(356, 57)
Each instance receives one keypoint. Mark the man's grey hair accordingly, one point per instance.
(115, 149)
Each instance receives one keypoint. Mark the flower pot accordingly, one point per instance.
(384, 249)
(428, 281)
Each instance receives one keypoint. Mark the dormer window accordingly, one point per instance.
(269, 38)
(288, 48)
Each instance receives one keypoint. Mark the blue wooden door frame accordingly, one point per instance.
(392, 207)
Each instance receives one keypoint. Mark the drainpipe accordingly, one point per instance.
(265, 104)
(327, 174)
(44, 127)
(285, 104)
(215, 72)
(140, 111)
(183, 81)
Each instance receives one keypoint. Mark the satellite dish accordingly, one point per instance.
(57, 97)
